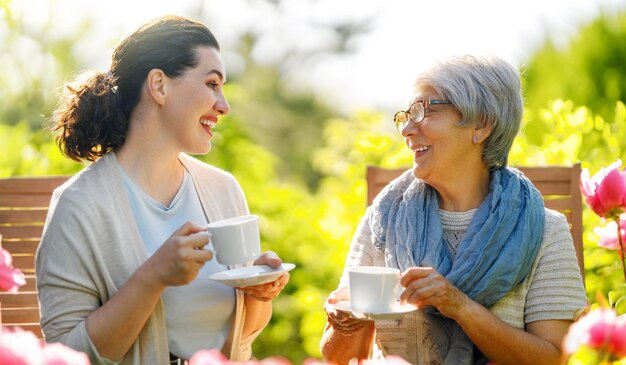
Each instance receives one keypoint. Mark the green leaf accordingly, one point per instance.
(620, 306)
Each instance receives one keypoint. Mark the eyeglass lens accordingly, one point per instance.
(415, 113)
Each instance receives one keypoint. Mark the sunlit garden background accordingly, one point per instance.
(301, 161)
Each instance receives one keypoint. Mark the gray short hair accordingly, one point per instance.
(486, 91)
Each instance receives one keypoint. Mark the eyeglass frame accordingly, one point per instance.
(407, 113)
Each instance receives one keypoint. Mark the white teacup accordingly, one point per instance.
(236, 240)
(373, 288)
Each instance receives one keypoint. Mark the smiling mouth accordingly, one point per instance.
(422, 149)
(209, 123)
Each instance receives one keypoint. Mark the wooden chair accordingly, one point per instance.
(560, 187)
(23, 207)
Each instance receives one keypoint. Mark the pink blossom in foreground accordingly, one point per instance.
(208, 357)
(10, 278)
(57, 354)
(19, 347)
(605, 192)
(608, 234)
(593, 330)
(215, 357)
(617, 343)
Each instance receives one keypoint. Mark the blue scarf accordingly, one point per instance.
(495, 254)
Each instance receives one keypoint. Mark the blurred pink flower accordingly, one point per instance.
(10, 279)
(593, 330)
(57, 354)
(617, 343)
(605, 192)
(208, 357)
(19, 347)
(608, 234)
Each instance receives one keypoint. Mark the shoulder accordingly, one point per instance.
(555, 227)
(87, 184)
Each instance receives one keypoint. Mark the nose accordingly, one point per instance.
(409, 129)
(221, 105)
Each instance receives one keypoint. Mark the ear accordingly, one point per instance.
(481, 133)
(155, 82)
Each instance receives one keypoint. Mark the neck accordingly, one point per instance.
(465, 192)
(149, 161)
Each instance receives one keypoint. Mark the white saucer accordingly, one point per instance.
(251, 275)
(398, 311)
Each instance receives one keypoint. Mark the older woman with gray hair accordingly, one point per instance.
(492, 273)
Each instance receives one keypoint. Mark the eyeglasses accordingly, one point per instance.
(415, 113)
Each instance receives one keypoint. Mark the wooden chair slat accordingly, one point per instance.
(23, 216)
(9, 200)
(25, 262)
(21, 247)
(21, 299)
(31, 327)
(31, 185)
(17, 316)
(23, 208)
(561, 205)
(21, 232)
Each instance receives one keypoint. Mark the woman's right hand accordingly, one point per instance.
(179, 259)
(339, 320)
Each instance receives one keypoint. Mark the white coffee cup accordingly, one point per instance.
(235, 240)
(373, 288)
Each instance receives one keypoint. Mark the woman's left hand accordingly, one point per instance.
(424, 286)
(268, 291)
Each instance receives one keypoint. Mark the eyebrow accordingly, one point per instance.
(218, 73)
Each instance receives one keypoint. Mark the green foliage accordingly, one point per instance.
(589, 70)
(28, 152)
(564, 134)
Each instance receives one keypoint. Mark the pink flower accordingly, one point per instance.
(617, 343)
(608, 234)
(58, 354)
(19, 347)
(605, 192)
(593, 330)
(208, 357)
(10, 279)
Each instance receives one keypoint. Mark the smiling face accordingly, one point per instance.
(194, 102)
(441, 149)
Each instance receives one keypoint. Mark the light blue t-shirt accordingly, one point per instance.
(198, 315)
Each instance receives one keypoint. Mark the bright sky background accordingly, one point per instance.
(404, 36)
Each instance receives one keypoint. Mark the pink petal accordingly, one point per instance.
(608, 235)
(596, 205)
(11, 279)
(58, 354)
(611, 190)
(19, 347)
(593, 330)
(617, 343)
(5, 258)
(208, 357)
(587, 187)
